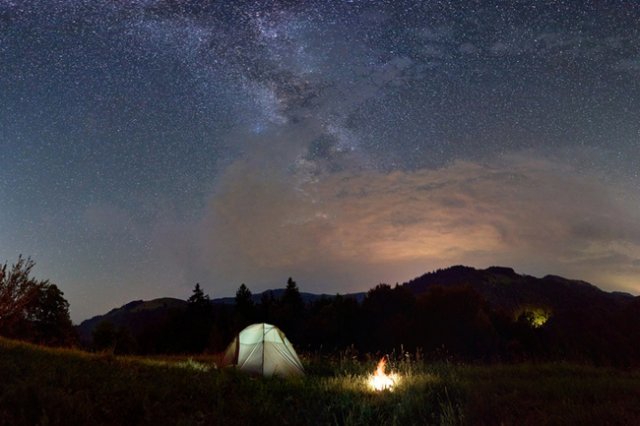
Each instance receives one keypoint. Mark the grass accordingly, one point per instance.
(41, 386)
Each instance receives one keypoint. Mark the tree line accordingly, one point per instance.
(453, 323)
(445, 323)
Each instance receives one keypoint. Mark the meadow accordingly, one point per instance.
(44, 386)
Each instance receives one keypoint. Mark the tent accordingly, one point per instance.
(263, 349)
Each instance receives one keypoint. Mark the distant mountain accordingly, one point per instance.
(458, 312)
(503, 288)
(139, 314)
(136, 316)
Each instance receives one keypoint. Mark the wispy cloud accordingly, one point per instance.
(535, 214)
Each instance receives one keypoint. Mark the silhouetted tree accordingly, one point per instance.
(387, 316)
(31, 309)
(17, 291)
(290, 310)
(291, 297)
(332, 323)
(198, 298)
(198, 320)
(244, 308)
(266, 307)
(49, 315)
(456, 320)
(244, 298)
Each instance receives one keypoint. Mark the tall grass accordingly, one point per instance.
(40, 386)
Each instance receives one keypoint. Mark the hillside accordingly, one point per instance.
(63, 387)
(463, 313)
(503, 288)
(138, 315)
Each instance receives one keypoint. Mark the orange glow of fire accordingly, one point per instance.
(382, 381)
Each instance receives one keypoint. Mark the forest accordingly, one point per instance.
(451, 322)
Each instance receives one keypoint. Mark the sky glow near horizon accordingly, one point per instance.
(149, 145)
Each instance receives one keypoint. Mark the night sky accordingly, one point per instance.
(147, 145)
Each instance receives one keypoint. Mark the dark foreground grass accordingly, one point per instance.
(53, 387)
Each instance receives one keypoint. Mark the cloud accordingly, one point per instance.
(349, 230)
(302, 197)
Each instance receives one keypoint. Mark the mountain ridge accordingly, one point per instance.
(500, 286)
(504, 288)
(137, 314)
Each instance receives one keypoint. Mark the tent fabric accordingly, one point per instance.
(263, 349)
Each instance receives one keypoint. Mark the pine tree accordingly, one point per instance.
(244, 298)
(198, 320)
(291, 310)
(244, 308)
(291, 298)
(198, 298)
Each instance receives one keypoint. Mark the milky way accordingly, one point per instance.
(148, 145)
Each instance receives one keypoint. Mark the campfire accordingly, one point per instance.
(380, 380)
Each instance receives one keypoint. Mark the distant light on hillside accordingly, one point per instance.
(536, 317)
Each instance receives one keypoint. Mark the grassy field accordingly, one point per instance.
(55, 386)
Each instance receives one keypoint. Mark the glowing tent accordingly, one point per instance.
(263, 349)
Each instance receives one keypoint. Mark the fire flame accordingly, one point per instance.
(382, 381)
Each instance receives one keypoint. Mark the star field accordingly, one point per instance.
(148, 145)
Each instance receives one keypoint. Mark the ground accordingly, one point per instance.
(60, 386)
